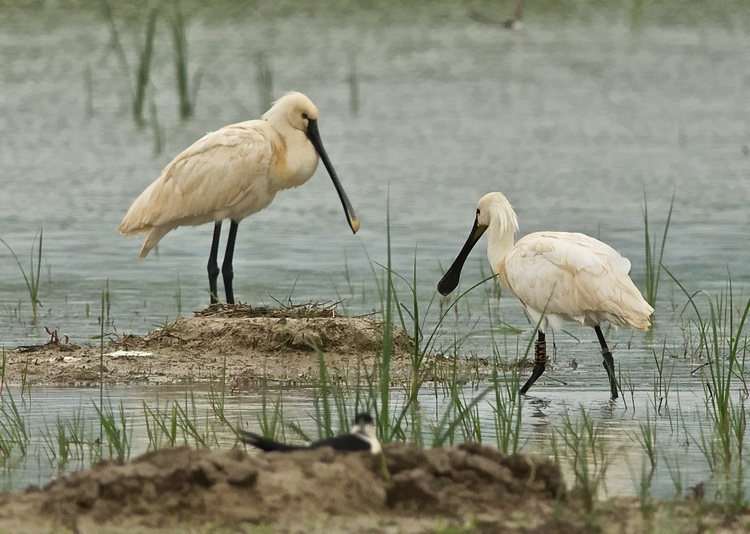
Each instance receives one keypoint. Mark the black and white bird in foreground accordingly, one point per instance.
(362, 437)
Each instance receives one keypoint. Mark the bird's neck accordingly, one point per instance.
(367, 432)
(295, 159)
(500, 241)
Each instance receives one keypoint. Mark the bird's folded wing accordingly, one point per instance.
(576, 276)
(216, 172)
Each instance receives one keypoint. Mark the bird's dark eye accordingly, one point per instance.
(477, 211)
(304, 116)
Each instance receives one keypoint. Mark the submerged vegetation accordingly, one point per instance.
(186, 90)
(139, 82)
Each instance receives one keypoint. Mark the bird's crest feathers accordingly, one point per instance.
(501, 213)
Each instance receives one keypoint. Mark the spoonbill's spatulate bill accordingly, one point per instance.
(232, 173)
(362, 437)
(558, 277)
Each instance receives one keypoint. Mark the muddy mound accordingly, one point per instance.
(268, 334)
(177, 485)
(246, 345)
(297, 311)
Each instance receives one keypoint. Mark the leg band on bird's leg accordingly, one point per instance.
(540, 362)
(227, 271)
(213, 264)
(608, 363)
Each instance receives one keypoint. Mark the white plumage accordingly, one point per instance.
(557, 276)
(576, 278)
(232, 173)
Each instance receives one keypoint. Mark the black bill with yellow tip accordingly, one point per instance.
(314, 135)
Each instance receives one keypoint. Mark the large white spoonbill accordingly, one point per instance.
(232, 173)
(557, 276)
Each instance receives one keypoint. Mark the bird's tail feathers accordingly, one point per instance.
(154, 236)
(635, 316)
(265, 444)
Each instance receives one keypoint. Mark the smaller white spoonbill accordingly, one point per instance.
(557, 276)
(232, 173)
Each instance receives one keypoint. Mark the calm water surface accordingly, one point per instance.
(574, 121)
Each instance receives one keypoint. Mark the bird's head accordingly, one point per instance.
(363, 419)
(363, 424)
(493, 211)
(293, 109)
(297, 111)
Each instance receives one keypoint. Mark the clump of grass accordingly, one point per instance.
(116, 431)
(65, 441)
(676, 474)
(14, 428)
(323, 408)
(507, 409)
(160, 425)
(662, 384)
(589, 460)
(654, 251)
(217, 395)
(647, 438)
(724, 343)
(187, 421)
(645, 499)
(105, 305)
(179, 423)
(384, 365)
(32, 278)
(459, 414)
(271, 426)
(508, 404)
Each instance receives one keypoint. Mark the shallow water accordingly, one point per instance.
(678, 426)
(574, 120)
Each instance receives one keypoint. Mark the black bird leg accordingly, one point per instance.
(227, 272)
(213, 264)
(608, 363)
(540, 361)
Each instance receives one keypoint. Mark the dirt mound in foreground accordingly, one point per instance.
(177, 485)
